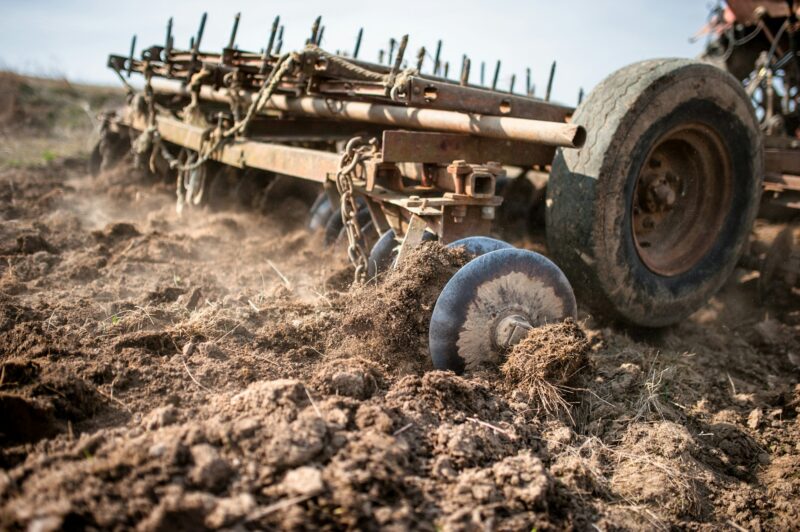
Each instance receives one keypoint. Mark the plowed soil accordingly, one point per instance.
(217, 370)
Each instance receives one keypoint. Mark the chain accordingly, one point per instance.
(351, 166)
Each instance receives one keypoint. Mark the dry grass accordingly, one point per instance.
(543, 365)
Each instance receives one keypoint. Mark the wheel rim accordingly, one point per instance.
(680, 200)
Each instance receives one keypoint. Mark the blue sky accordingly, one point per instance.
(589, 39)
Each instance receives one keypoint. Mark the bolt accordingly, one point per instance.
(511, 330)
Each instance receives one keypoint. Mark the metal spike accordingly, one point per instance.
(550, 82)
(580, 96)
(273, 32)
(280, 41)
(420, 58)
(130, 56)
(436, 60)
(446, 68)
(232, 40)
(496, 75)
(465, 71)
(380, 56)
(358, 43)
(315, 30)
(401, 50)
(528, 81)
(321, 33)
(513, 82)
(392, 44)
(200, 31)
(268, 50)
(483, 73)
(168, 40)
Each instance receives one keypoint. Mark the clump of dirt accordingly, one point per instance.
(387, 322)
(546, 361)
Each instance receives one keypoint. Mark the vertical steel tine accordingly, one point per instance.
(528, 81)
(483, 73)
(401, 51)
(496, 75)
(580, 96)
(420, 59)
(465, 71)
(280, 41)
(168, 40)
(513, 82)
(200, 31)
(235, 28)
(392, 44)
(533, 90)
(358, 43)
(437, 58)
(321, 33)
(550, 82)
(315, 30)
(380, 56)
(273, 32)
(446, 68)
(130, 56)
(463, 65)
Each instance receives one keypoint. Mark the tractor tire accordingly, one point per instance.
(649, 218)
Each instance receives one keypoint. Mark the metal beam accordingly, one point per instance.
(444, 148)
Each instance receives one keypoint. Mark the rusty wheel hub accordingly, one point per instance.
(682, 195)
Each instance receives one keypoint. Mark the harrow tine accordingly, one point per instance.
(268, 50)
(358, 43)
(380, 56)
(200, 31)
(319, 37)
(130, 56)
(550, 82)
(280, 41)
(314, 30)
(235, 28)
(446, 68)
(513, 82)
(465, 64)
(420, 59)
(168, 40)
(580, 95)
(392, 44)
(436, 60)
(528, 81)
(496, 75)
(483, 73)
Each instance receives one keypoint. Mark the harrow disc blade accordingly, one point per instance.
(491, 303)
(479, 245)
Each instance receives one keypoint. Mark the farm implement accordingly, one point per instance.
(654, 181)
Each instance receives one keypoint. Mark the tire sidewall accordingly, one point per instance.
(717, 101)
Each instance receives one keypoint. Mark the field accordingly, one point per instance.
(217, 370)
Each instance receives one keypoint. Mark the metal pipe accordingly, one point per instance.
(499, 127)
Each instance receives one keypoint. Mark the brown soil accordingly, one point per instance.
(215, 370)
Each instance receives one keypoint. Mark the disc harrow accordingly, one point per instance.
(393, 153)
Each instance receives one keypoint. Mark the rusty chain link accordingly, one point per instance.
(351, 166)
